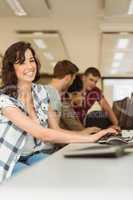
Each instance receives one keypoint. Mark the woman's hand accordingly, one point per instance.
(109, 131)
(117, 128)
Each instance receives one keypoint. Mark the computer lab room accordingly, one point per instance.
(66, 99)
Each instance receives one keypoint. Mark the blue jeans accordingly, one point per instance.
(31, 160)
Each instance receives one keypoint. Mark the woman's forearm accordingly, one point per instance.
(65, 136)
(46, 134)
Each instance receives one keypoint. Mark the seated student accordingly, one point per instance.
(64, 74)
(73, 97)
(93, 118)
(26, 114)
(75, 92)
(90, 95)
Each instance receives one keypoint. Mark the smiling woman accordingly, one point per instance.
(16, 59)
(25, 114)
(24, 72)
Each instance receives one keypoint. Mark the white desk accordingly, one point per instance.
(62, 178)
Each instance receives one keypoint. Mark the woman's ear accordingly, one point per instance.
(67, 77)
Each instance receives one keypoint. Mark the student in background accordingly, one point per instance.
(64, 74)
(91, 94)
(75, 91)
(28, 124)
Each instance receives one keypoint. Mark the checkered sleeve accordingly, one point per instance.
(12, 140)
(5, 101)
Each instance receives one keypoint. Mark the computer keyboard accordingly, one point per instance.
(127, 133)
(112, 139)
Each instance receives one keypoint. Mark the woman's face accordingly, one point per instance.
(26, 71)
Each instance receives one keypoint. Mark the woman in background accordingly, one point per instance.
(26, 114)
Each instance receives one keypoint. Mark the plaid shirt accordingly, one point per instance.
(12, 138)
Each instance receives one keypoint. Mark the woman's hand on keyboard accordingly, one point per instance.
(117, 128)
(111, 131)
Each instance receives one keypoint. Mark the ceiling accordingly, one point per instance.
(84, 31)
(33, 8)
(53, 51)
(116, 61)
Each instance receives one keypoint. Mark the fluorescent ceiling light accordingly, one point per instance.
(40, 43)
(16, 7)
(122, 43)
(130, 10)
(48, 55)
(116, 64)
(38, 34)
(118, 56)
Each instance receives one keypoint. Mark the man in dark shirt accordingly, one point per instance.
(90, 94)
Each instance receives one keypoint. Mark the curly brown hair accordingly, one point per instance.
(15, 53)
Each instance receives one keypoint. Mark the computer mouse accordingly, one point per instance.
(116, 141)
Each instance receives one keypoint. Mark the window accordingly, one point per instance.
(116, 89)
